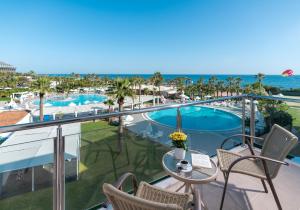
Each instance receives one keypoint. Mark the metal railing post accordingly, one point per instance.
(252, 119)
(178, 120)
(59, 171)
(243, 119)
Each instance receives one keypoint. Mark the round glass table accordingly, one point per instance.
(196, 176)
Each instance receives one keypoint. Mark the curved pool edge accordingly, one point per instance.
(146, 117)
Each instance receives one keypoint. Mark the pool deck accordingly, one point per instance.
(196, 139)
(245, 192)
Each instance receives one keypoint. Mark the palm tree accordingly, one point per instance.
(212, 85)
(200, 86)
(42, 85)
(260, 77)
(121, 89)
(237, 85)
(139, 82)
(248, 89)
(191, 90)
(156, 80)
(229, 85)
(109, 103)
(179, 83)
(146, 91)
(220, 87)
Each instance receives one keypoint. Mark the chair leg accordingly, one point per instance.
(224, 174)
(265, 186)
(274, 193)
(226, 177)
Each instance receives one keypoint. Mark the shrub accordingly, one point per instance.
(279, 117)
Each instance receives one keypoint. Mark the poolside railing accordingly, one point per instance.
(82, 156)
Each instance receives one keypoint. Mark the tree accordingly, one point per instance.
(212, 85)
(179, 83)
(42, 85)
(156, 80)
(200, 87)
(259, 78)
(139, 82)
(237, 85)
(191, 90)
(121, 89)
(109, 103)
(248, 89)
(229, 86)
(220, 87)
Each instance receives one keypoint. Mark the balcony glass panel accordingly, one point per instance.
(26, 170)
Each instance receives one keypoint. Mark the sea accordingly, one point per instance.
(270, 80)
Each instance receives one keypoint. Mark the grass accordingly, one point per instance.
(100, 162)
(295, 112)
(4, 99)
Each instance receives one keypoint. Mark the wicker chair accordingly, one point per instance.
(146, 197)
(265, 166)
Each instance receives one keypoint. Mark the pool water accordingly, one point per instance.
(296, 159)
(198, 118)
(72, 100)
(46, 118)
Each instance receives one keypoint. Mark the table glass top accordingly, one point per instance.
(196, 174)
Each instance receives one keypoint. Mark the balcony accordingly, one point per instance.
(62, 164)
(245, 192)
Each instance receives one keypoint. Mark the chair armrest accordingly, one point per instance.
(271, 159)
(118, 184)
(239, 135)
(255, 157)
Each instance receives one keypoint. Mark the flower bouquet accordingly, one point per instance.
(179, 142)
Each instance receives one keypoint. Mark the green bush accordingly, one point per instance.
(279, 117)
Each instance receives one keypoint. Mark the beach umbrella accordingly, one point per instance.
(184, 96)
(287, 73)
(128, 118)
(178, 120)
(72, 104)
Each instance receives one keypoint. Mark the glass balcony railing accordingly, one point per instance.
(98, 154)
(63, 164)
(26, 171)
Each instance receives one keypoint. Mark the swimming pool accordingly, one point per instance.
(198, 118)
(72, 100)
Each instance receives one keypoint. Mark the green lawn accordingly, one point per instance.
(295, 112)
(101, 162)
(4, 99)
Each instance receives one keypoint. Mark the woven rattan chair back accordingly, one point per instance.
(277, 145)
(124, 201)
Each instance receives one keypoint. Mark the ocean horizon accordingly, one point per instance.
(270, 80)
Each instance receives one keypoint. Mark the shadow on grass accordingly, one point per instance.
(100, 161)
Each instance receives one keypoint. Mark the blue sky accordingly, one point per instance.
(143, 36)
